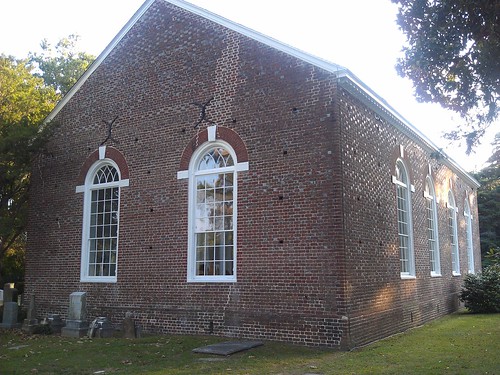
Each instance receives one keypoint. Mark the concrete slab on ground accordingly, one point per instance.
(228, 347)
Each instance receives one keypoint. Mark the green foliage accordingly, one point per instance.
(452, 57)
(488, 201)
(493, 257)
(61, 66)
(495, 157)
(13, 263)
(481, 292)
(29, 91)
(24, 98)
(24, 102)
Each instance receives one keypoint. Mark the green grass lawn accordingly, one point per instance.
(457, 344)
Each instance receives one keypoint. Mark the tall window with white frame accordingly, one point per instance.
(432, 228)
(468, 231)
(452, 224)
(212, 247)
(405, 230)
(101, 220)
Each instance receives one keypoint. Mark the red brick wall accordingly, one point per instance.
(311, 211)
(381, 302)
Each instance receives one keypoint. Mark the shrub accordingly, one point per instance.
(481, 292)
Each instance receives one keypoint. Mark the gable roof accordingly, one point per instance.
(346, 78)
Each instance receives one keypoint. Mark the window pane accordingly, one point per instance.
(103, 229)
(213, 214)
(112, 270)
(216, 157)
(229, 268)
(210, 238)
(219, 223)
(228, 223)
(229, 253)
(200, 253)
(404, 220)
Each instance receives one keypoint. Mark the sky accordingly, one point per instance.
(361, 35)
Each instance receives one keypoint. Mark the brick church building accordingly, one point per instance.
(208, 179)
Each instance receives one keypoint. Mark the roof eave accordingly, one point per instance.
(357, 87)
(346, 78)
(102, 56)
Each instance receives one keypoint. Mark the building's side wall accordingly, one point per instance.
(381, 303)
(289, 267)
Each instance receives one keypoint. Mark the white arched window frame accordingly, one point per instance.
(453, 229)
(212, 220)
(468, 231)
(432, 227)
(101, 217)
(405, 224)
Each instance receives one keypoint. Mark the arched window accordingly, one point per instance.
(101, 222)
(468, 231)
(212, 216)
(405, 230)
(452, 224)
(432, 228)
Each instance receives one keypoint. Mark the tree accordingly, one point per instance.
(29, 90)
(488, 201)
(453, 58)
(61, 66)
(495, 157)
(24, 102)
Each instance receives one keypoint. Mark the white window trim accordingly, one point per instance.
(432, 197)
(454, 246)
(86, 190)
(469, 239)
(191, 174)
(411, 251)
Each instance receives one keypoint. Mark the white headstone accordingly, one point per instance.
(77, 306)
(76, 323)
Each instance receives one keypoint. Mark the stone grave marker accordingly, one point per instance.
(128, 326)
(76, 323)
(31, 322)
(55, 322)
(10, 308)
(9, 320)
(101, 327)
(9, 293)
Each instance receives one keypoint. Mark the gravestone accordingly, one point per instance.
(9, 320)
(10, 308)
(55, 323)
(9, 293)
(128, 326)
(101, 327)
(31, 322)
(76, 323)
